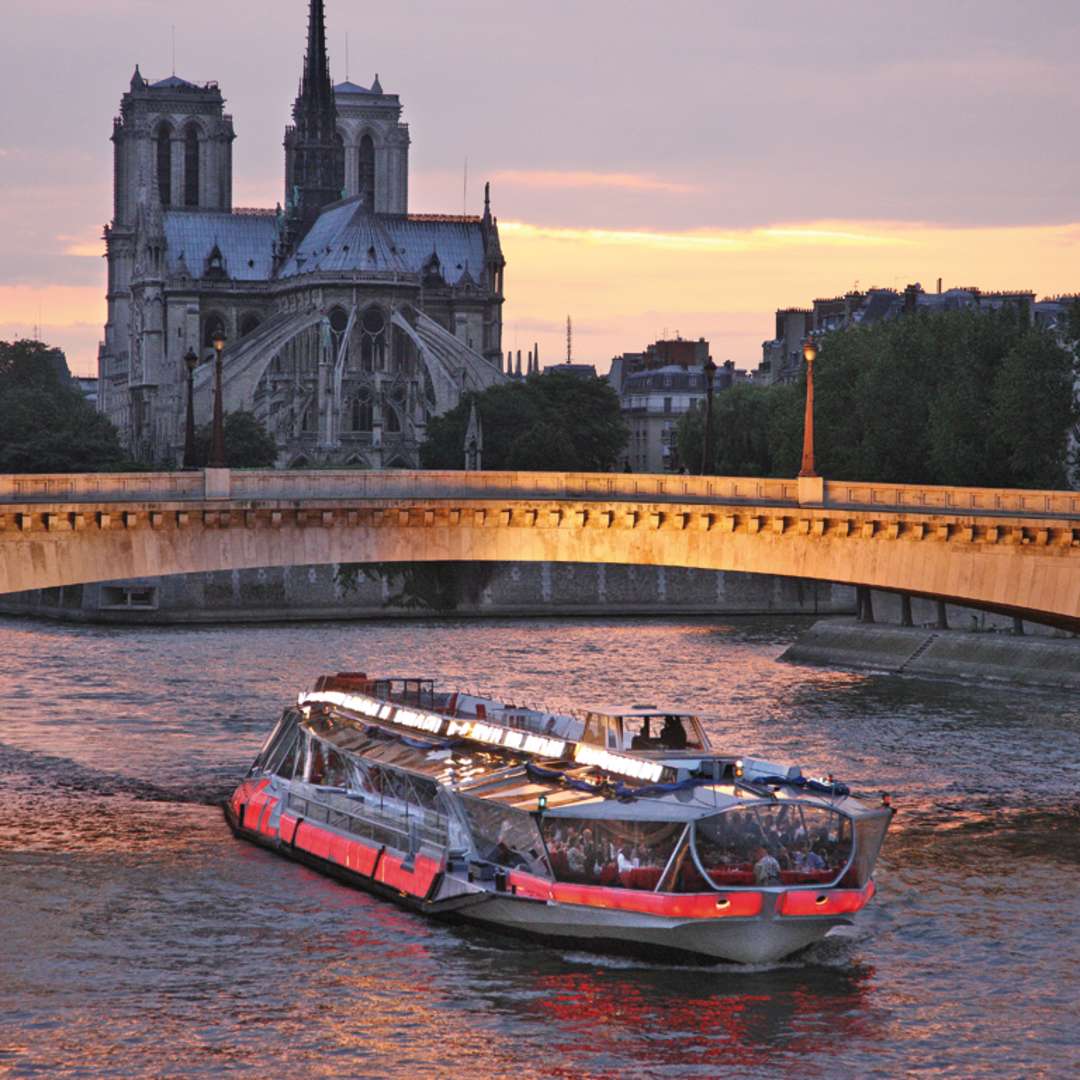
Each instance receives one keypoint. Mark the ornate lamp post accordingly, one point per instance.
(809, 351)
(706, 449)
(217, 440)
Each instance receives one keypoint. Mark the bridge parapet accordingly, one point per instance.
(303, 485)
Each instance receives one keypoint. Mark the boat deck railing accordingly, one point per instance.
(359, 815)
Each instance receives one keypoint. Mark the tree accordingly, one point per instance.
(247, 443)
(1034, 409)
(46, 423)
(962, 398)
(750, 435)
(553, 420)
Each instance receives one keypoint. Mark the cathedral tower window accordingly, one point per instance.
(367, 173)
(164, 163)
(191, 166)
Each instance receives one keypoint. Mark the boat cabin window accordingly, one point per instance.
(504, 836)
(771, 844)
(662, 731)
(619, 854)
(869, 834)
(595, 731)
(294, 752)
(272, 742)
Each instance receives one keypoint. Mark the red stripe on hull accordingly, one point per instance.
(815, 902)
(415, 882)
(671, 905)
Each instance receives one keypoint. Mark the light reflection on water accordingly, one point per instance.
(137, 938)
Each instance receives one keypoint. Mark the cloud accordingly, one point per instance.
(817, 234)
(82, 247)
(562, 180)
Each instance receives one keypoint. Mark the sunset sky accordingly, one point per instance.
(687, 167)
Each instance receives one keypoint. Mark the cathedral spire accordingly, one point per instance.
(314, 154)
(316, 80)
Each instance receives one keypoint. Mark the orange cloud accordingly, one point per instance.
(624, 287)
(577, 179)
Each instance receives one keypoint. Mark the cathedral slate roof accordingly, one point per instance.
(347, 237)
(246, 242)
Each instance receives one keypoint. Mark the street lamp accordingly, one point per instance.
(192, 362)
(809, 351)
(217, 440)
(706, 455)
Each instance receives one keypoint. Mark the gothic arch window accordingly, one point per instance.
(164, 163)
(393, 421)
(367, 173)
(372, 340)
(191, 165)
(307, 423)
(360, 413)
(214, 324)
(249, 323)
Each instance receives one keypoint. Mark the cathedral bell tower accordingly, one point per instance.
(314, 153)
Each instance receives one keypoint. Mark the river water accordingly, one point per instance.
(138, 938)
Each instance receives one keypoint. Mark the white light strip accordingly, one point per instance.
(616, 763)
(491, 734)
(435, 724)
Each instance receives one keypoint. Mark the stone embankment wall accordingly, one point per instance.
(425, 589)
(988, 654)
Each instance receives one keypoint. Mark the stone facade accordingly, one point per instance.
(349, 321)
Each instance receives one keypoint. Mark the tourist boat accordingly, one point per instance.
(615, 829)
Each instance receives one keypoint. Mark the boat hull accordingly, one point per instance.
(599, 920)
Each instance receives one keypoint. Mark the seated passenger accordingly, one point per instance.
(809, 859)
(626, 860)
(642, 740)
(673, 736)
(766, 868)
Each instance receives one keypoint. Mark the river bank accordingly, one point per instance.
(983, 654)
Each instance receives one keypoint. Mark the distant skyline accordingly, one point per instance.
(688, 168)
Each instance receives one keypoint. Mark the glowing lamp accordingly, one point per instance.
(809, 350)
(541, 804)
(738, 769)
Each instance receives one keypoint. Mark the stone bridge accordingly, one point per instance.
(1016, 552)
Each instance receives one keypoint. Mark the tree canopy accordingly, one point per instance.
(46, 423)
(553, 420)
(248, 445)
(958, 398)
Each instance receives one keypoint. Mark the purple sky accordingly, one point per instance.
(623, 116)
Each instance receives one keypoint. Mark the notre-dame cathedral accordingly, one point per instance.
(348, 320)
